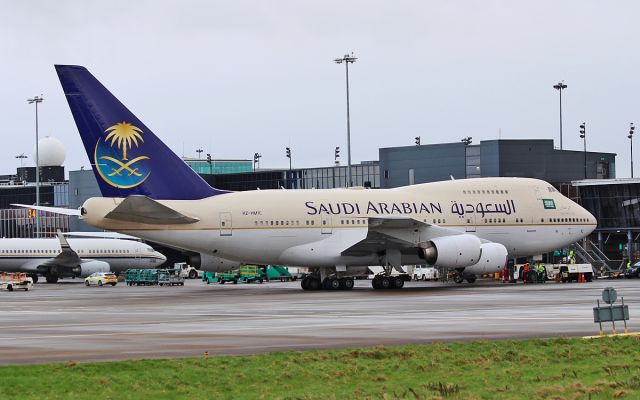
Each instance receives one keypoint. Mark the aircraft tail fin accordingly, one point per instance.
(127, 158)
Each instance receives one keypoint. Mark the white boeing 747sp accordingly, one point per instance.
(469, 225)
(77, 257)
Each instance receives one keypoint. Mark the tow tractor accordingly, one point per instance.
(15, 280)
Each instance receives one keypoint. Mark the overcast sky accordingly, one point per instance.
(238, 77)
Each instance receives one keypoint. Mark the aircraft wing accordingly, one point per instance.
(396, 233)
(138, 208)
(67, 257)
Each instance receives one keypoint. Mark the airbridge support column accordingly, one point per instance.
(630, 246)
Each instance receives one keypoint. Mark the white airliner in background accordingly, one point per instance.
(77, 257)
(469, 225)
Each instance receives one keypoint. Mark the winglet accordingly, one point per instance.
(63, 241)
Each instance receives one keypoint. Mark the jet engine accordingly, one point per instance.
(455, 251)
(209, 263)
(89, 267)
(493, 259)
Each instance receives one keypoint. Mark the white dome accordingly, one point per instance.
(52, 153)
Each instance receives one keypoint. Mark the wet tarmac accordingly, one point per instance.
(68, 321)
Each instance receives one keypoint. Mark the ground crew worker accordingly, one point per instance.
(540, 273)
(525, 275)
(628, 264)
(572, 259)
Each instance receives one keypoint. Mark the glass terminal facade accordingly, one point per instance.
(219, 166)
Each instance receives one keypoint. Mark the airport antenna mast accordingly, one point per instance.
(36, 100)
(346, 59)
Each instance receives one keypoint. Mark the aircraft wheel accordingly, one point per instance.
(304, 283)
(34, 277)
(375, 283)
(331, 284)
(385, 282)
(398, 283)
(314, 283)
(346, 283)
(51, 277)
(470, 278)
(458, 278)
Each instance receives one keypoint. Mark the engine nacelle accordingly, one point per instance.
(89, 267)
(493, 259)
(209, 263)
(455, 251)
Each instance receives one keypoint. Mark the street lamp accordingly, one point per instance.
(583, 135)
(631, 129)
(467, 140)
(209, 161)
(560, 86)
(199, 151)
(256, 160)
(346, 59)
(36, 100)
(417, 140)
(336, 155)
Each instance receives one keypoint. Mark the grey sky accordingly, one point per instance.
(236, 77)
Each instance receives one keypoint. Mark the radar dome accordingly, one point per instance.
(52, 153)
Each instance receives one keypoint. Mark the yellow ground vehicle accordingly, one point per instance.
(101, 279)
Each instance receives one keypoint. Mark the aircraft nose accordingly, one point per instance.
(160, 256)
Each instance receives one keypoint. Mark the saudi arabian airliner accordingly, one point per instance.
(77, 257)
(471, 225)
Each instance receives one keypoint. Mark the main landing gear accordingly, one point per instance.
(460, 277)
(387, 282)
(311, 282)
(51, 277)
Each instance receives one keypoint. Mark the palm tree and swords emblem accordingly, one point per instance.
(124, 173)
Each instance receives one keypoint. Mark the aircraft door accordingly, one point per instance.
(326, 227)
(226, 227)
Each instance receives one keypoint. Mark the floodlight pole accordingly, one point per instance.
(631, 129)
(346, 59)
(560, 86)
(36, 100)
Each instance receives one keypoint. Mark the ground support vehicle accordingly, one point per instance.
(101, 279)
(425, 273)
(141, 277)
(251, 273)
(170, 277)
(187, 271)
(15, 281)
(633, 272)
(221, 277)
(572, 272)
(277, 273)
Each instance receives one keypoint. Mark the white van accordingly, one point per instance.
(425, 273)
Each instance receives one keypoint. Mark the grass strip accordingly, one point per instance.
(559, 368)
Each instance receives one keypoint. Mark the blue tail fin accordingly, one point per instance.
(127, 157)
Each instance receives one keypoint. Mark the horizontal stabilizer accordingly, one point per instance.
(136, 208)
(55, 210)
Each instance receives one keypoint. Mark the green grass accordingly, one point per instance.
(530, 369)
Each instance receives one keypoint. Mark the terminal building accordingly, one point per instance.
(613, 201)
